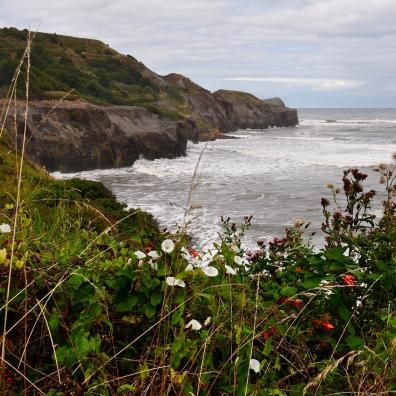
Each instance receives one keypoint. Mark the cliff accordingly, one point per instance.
(118, 109)
(75, 136)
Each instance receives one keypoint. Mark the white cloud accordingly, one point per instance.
(314, 41)
(318, 84)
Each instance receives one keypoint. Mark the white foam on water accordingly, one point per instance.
(277, 175)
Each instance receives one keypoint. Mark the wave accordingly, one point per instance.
(313, 122)
(147, 169)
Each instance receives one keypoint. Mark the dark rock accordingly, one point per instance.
(77, 136)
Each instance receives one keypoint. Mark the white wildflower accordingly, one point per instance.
(238, 260)
(185, 254)
(153, 254)
(193, 325)
(254, 365)
(363, 284)
(153, 265)
(4, 228)
(207, 257)
(359, 303)
(324, 283)
(207, 321)
(167, 246)
(229, 270)
(189, 268)
(210, 271)
(171, 281)
(139, 254)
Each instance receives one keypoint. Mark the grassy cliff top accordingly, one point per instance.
(96, 72)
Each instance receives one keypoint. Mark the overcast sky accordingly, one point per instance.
(312, 53)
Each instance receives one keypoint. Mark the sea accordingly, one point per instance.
(276, 175)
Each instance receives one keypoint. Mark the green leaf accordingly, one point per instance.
(156, 298)
(311, 283)
(176, 317)
(381, 265)
(288, 291)
(268, 347)
(277, 365)
(127, 304)
(354, 342)
(178, 342)
(149, 311)
(75, 281)
(336, 254)
(53, 321)
(344, 312)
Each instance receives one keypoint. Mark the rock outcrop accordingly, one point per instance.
(230, 110)
(75, 136)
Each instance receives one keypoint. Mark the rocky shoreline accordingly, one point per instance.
(72, 136)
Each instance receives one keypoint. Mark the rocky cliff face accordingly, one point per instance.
(77, 136)
(230, 110)
(74, 135)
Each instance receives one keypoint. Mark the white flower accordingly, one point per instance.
(167, 246)
(5, 228)
(254, 365)
(189, 268)
(229, 270)
(153, 265)
(193, 325)
(139, 254)
(171, 281)
(207, 321)
(185, 254)
(210, 271)
(240, 261)
(359, 303)
(363, 284)
(153, 254)
(326, 289)
(207, 257)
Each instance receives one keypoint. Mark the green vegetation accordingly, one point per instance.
(60, 64)
(102, 303)
(96, 300)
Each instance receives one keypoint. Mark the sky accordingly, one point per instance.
(311, 53)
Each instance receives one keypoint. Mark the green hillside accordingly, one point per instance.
(97, 73)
